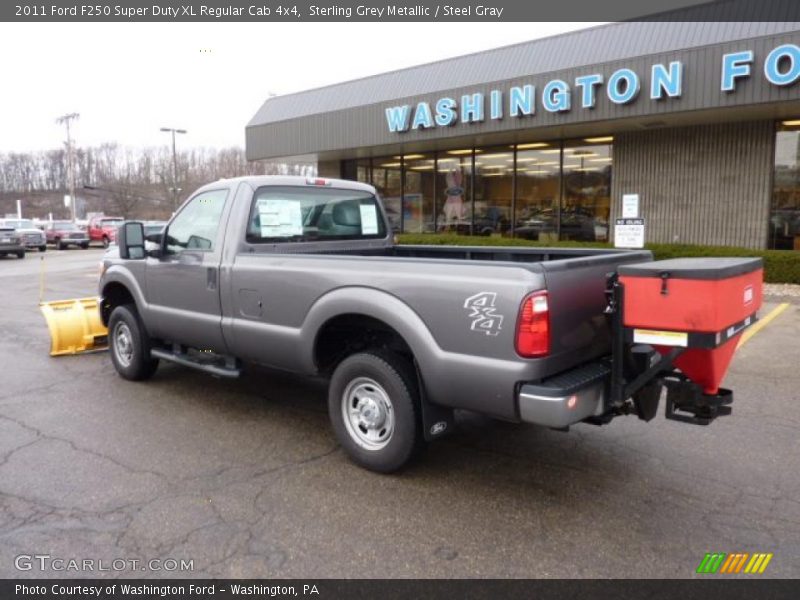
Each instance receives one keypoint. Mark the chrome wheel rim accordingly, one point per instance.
(123, 344)
(368, 413)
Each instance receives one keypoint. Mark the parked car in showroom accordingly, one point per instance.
(32, 236)
(10, 242)
(66, 233)
(102, 228)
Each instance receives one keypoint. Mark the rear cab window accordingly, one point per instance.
(306, 214)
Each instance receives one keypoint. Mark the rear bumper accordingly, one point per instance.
(565, 399)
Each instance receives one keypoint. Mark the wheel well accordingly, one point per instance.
(346, 334)
(114, 294)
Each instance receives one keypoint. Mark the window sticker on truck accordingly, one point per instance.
(280, 218)
(369, 219)
(481, 308)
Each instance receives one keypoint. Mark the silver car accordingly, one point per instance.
(31, 236)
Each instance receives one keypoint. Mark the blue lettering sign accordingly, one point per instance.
(397, 118)
(665, 81)
(445, 112)
(772, 66)
(587, 84)
(555, 97)
(735, 65)
(520, 101)
(422, 116)
(472, 108)
(622, 94)
(781, 68)
(496, 104)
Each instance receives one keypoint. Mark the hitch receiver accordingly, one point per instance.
(687, 403)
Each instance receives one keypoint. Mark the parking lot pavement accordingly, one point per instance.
(245, 478)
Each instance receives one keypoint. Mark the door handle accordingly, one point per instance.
(211, 278)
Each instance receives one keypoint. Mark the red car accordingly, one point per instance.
(104, 229)
(66, 233)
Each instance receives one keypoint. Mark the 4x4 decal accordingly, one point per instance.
(482, 312)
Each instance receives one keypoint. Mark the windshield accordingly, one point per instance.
(19, 223)
(300, 214)
(66, 226)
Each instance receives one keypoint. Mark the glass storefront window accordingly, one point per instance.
(453, 185)
(538, 191)
(586, 201)
(419, 193)
(559, 190)
(784, 219)
(493, 190)
(387, 179)
(364, 170)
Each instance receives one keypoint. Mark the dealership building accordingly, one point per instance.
(541, 140)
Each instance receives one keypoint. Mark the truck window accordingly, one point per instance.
(299, 214)
(196, 226)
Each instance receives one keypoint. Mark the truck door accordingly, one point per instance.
(183, 284)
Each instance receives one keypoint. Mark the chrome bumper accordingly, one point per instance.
(565, 399)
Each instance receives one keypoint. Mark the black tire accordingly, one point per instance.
(21, 254)
(43, 248)
(85, 246)
(59, 245)
(133, 362)
(396, 380)
(106, 242)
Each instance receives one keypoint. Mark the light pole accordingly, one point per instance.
(65, 119)
(175, 188)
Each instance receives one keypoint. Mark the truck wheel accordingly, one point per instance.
(129, 344)
(43, 248)
(21, 254)
(85, 246)
(59, 245)
(374, 406)
(105, 241)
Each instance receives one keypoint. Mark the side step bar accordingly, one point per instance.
(230, 369)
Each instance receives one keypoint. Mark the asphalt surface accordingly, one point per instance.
(245, 478)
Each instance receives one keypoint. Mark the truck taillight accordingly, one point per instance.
(533, 327)
(312, 181)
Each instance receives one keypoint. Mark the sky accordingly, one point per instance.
(127, 80)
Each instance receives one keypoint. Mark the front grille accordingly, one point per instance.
(32, 237)
(76, 236)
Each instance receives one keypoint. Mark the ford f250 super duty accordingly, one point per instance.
(303, 275)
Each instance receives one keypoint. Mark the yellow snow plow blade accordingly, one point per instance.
(75, 326)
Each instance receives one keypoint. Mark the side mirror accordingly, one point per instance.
(130, 239)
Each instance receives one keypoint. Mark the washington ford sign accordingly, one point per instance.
(781, 68)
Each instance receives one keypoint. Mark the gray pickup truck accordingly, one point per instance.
(303, 275)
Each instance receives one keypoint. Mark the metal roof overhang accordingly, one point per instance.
(360, 129)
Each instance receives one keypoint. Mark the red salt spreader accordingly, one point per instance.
(676, 324)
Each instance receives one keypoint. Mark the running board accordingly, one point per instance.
(230, 369)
